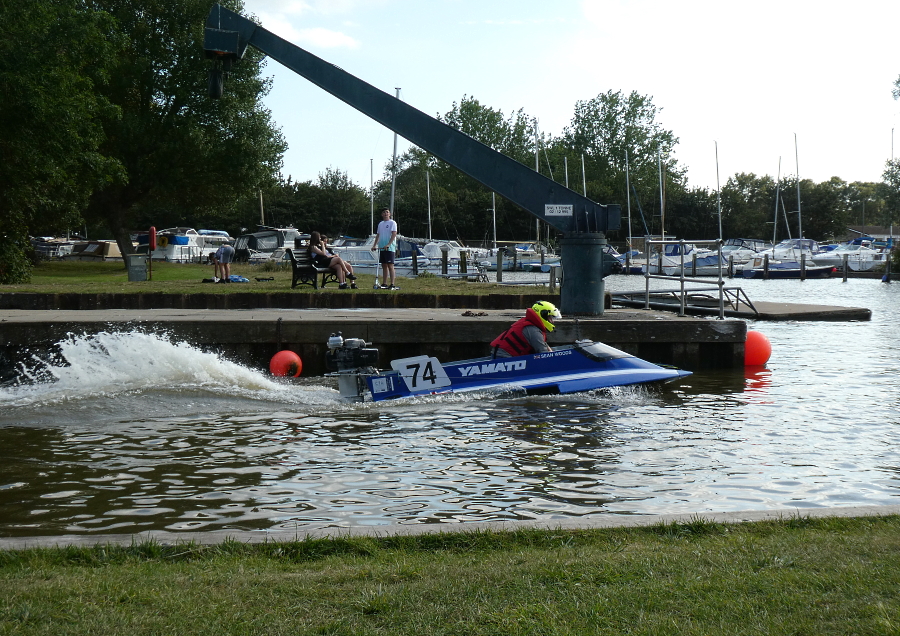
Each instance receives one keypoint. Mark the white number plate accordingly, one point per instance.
(421, 373)
(557, 210)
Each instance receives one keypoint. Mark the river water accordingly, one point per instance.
(128, 432)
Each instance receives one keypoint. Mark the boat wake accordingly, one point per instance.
(112, 365)
(116, 375)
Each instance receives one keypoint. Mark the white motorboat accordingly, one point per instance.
(185, 244)
(860, 255)
(792, 250)
(520, 256)
(210, 241)
(177, 245)
(427, 259)
(434, 252)
(673, 255)
(742, 250)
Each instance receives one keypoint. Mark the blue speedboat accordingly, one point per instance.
(584, 366)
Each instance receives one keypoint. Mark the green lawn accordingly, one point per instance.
(109, 277)
(795, 576)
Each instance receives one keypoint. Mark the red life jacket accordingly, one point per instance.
(513, 341)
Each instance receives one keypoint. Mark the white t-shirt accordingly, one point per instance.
(384, 231)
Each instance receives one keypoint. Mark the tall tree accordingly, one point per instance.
(748, 206)
(342, 206)
(825, 207)
(460, 205)
(866, 203)
(891, 190)
(604, 128)
(52, 58)
(181, 151)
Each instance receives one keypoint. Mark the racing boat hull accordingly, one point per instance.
(584, 366)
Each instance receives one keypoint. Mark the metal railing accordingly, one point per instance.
(733, 296)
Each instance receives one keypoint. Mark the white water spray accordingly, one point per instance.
(113, 364)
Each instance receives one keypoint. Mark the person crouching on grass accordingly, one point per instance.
(322, 256)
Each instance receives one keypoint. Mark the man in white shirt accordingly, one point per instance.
(386, 244)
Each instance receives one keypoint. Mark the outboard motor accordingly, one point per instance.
(351, 360)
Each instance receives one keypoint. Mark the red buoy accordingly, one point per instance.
(286, 363)
(757, 349)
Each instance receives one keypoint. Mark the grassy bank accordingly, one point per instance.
(57, 277)
(796, 576)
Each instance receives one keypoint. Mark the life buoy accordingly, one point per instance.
(162, 241)
(151, 237)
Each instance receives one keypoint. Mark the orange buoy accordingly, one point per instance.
(286, 363)
(757, 349)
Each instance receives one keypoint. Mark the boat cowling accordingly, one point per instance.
(349, 354)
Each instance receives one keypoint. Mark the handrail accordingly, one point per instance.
(735, 294)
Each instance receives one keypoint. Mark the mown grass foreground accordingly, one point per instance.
(111, 277)
(794, 576)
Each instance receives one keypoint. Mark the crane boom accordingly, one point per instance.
(583, 222)
(228, 34)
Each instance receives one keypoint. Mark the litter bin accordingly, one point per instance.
(137, 266)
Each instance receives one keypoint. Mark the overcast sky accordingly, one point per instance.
(747, 76)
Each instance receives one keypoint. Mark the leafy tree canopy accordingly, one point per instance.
(183, 154)
(50, 65)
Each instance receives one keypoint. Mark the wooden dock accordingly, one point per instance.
(252, 336)
(760, 310)
(251, 327)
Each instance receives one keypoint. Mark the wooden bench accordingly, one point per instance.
(305, 273)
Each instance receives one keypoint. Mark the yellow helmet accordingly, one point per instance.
(548, 313)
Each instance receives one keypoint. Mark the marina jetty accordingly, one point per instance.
(250, 327)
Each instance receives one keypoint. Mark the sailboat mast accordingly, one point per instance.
(799, 217)
(662, 198)
(777, 191)
(628, 197)
(394, 170)
(537, 168)
(371, 196)
(583, 176)
(494, 212)
(428, 192)
(262, 214)
(718, 191)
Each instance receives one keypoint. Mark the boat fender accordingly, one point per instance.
(757, 349)
(286, 363)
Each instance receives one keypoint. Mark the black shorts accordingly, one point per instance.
(386, 257)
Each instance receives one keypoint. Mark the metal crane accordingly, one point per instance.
(583, 222)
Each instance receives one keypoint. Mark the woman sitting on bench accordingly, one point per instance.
(322, 256)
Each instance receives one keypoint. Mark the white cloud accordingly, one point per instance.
(326, 39)
(288, 19)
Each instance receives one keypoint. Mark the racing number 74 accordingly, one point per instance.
(421, 373)
(428, 374)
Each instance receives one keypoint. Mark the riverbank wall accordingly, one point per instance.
(252, 335)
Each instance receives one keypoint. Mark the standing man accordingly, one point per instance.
(386, 244)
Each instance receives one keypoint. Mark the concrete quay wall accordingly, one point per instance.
(252, 336)
(269, 300)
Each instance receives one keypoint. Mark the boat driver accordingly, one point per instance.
(528, 334)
